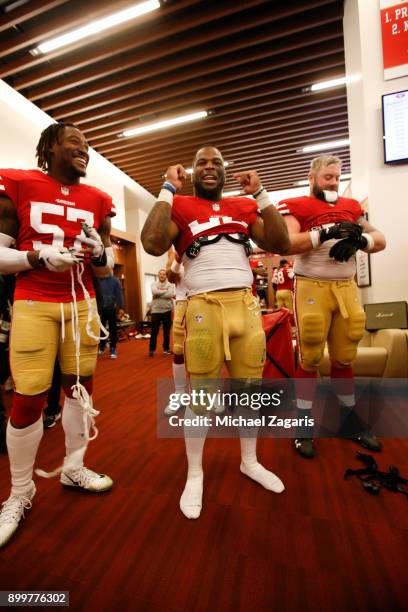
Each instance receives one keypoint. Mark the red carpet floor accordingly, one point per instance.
(324, 544)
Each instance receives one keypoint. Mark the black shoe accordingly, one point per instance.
(304, 446)
(369, 442)
(151, 353)
(51, 420)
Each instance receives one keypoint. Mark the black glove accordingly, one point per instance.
(339, 231)
(344, 249)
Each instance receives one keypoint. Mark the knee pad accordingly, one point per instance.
(312, 328)
(312, 338)
(356, 326)
(26, 409)
(251, 357)
(178, 338)
(345, 354)
(203, 351)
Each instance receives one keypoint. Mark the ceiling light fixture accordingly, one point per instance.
(97, 26)
(160, 125)
(329, 84)
(322, 146)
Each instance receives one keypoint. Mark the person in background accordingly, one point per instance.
(162, 294)
(260, 284)
(110, 298)
(283, 279)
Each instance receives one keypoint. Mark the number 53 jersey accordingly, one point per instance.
(50, 214)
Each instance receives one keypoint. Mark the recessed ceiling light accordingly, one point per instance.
(97, 26)
(160, 125)
(322, 146)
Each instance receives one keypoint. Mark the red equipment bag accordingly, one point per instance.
(280, 357)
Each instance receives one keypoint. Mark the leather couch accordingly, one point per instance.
(383, 353)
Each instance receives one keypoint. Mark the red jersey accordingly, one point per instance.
(50, 213)
(283, 278)
(313, 213)
(197, 217)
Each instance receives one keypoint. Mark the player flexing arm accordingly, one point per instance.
(160, 232)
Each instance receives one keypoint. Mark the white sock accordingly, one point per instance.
(22, 445)
(179, 376)
(76, 436)
(253, 469)
(349, 401)
(191, 498)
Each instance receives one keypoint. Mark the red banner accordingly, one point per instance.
(394, 27)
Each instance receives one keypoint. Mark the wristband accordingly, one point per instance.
(170, 187)
(166, 195)
(262, 198)
(370, 242)
(175, 266)
(315, 238)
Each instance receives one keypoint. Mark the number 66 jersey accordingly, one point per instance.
(50, 214)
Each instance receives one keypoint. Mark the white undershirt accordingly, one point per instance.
(218, 266)
(318, 264)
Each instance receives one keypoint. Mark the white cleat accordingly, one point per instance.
(12, 512)
(82, 478)
(172, 408)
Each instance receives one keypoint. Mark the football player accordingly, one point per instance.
(223, 324)
(326, 231)
(49, 216)
(283, 279)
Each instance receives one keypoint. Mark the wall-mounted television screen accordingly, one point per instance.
(395, 123)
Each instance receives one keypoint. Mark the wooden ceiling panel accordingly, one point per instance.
(250, 64)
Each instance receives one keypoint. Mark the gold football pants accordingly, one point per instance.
(328, 311)
(38, 337)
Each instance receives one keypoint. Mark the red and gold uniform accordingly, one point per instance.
(223, 319)
(283, 279)
(327, 307)
(50, 213)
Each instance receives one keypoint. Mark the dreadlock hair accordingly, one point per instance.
(48, 137)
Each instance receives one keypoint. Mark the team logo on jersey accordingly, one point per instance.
(199, 318)
(216, 206)
(64, 190)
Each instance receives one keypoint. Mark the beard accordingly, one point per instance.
(209, 193)
(327, 195)
(77, 173)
